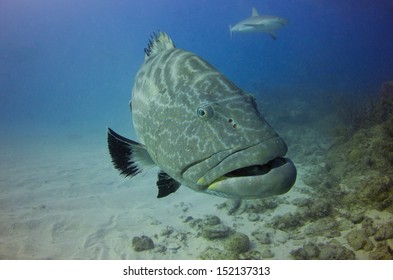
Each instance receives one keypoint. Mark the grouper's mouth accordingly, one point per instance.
(256, 181)
(258, 171)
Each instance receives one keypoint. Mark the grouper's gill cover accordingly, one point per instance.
(200, 129)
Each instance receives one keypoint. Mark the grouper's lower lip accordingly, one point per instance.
(274, 178)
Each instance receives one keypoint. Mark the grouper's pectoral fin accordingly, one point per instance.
(128, 156)
(166, 185)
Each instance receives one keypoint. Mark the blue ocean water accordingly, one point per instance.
(73, 62)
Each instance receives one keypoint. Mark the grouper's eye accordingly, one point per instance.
(205, 112)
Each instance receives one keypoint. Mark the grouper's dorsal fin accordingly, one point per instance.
(128, 156)
(166, 185)
(157, 43)
(254, 12)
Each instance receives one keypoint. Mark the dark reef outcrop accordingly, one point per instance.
(360, 164)
(364, 161)
(323, 251)
(142, 243)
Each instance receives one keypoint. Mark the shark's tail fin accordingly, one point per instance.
(230, 30)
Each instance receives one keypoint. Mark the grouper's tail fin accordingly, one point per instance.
(128, 156)
(157, 43)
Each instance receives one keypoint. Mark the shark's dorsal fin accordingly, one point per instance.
(254, 12)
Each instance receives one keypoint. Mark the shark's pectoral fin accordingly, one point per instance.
(128, 156)
(166, 185)
(273, 35)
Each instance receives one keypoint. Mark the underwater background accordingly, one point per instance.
(325, 85)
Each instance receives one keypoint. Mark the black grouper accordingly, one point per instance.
(200, 129)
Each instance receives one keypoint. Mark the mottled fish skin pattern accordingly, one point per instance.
(190, 118)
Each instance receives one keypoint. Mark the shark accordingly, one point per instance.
(257, 23)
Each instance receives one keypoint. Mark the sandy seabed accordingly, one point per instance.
(61, 198)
